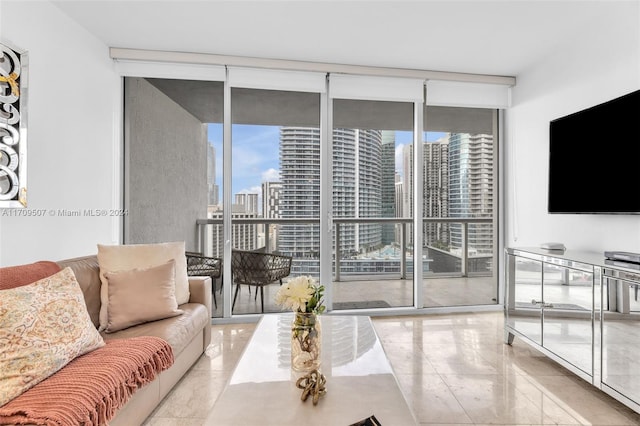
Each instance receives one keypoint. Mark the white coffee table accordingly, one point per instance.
(360, 381)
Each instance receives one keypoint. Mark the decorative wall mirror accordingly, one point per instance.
(13, 127)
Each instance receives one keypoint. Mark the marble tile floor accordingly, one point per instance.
(454, 370)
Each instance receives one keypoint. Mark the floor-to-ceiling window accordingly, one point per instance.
(372, 245)
(372, 119)
(390, 201)
(460, 167)
(275, 175)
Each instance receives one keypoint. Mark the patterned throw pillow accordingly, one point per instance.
(43, 327)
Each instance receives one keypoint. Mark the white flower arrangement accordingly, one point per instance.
(301, 294)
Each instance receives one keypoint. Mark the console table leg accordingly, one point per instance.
(508, 337)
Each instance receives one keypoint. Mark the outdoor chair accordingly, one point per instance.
(258, 269)
(199, 265)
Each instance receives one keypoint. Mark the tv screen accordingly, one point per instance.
(594, 159)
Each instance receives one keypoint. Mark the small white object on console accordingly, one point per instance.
(552, 246)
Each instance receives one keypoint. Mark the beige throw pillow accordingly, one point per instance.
(115, 258)
(43, 327)
(141, 295)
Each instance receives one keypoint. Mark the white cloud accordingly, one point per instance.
(271, 175)
(252, 190)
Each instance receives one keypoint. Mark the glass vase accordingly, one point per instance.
(306, 342)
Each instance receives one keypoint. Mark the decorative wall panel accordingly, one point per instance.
(13, 127)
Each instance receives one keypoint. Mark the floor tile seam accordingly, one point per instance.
(587, 387)
(407, 392)
(500, 361)
(466, 373)
(448, 386)
(427, 360)
(455, 397)
(559, 404)
(523, 395)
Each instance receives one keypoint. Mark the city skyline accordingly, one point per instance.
(255, 154)
(457, 182)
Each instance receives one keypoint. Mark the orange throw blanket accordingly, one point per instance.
(91, 388)
(16, 276)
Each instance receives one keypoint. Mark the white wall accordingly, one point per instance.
(73, 133)
(586, 70)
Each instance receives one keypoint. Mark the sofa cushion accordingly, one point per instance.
(43, 326)
(15, 276)
(141, 295)
(87, 274)
(113, 258)
(178, 331)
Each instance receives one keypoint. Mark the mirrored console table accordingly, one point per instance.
(580, 310)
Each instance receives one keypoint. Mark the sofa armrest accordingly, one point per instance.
(200, 292)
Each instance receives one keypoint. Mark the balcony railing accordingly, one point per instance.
(345, 267)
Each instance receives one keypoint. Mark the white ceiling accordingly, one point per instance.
(473, 36)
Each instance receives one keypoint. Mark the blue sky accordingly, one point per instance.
(255, 154)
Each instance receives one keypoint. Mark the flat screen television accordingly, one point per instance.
(594, 159)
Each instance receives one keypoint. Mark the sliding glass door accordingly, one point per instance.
(390, 201)
(373, 252)
(459, 193)
(275, 179)
(372, 245)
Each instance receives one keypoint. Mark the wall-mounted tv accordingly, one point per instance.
(594, 159)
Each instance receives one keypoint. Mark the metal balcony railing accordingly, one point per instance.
(402, 224)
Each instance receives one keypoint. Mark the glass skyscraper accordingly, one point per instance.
(471, 188)
(357, 188)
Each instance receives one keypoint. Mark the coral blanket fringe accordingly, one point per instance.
(91, 388)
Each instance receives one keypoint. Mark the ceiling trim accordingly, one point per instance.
(243, 61)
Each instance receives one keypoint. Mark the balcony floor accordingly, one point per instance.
(363, 294)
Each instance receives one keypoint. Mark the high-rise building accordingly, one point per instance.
(435, 168)
(368, 187)
(243, 235)
(300, 194)
(399, 199)
(471, 188)
(249, 201)
(213, 189)
(357, 188)
(407, 181)
(457, 182)
(345, 200)
(214, 237)
(406, 186)
(271, 193)
(388, 183)
(435, 189)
